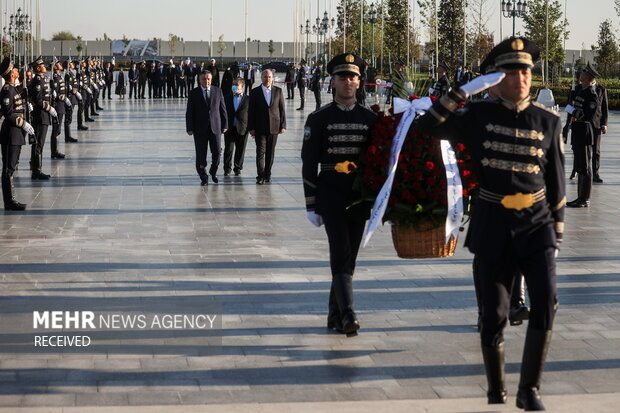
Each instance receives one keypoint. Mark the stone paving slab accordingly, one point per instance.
(125, 217)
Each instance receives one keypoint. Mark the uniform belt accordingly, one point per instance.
(345, 167)
(517, 201)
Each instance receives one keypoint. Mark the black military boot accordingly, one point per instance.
(54, 148)
(10, 204)
(534, 354)
(36, 163)
(68, 137)
(496, 378)
(343, 289)
(518, 310)
(584, 188)
(334, 320)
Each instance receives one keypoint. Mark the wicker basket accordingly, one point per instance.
(428, 242)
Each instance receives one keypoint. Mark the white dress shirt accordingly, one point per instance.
(267, 94)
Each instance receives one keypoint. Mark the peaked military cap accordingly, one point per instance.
(591, 71)
(444, 65)
(346, 63)
(515, 53)
(6, 66)
(38, 61)
(487, 66)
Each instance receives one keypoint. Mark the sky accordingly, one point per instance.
(267, 19)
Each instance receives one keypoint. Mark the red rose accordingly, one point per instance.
(421, 195)
(419, 142)
(416, 185)
(460, 147)
(430, 165)
(432, 151)
(402, 166)
(417, 153)
(430, 180)
(466, 172)
(418, 175)
(373, 149)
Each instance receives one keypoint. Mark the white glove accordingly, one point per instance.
(95, 86)
(54, 94)
(90, 92)
(557, 251)
(315, 218)
(28, 128)
(30, 108)
(569, 109)
(53, 113)
(431, 90)
(482, 83)
(78, 95)
(67, 102)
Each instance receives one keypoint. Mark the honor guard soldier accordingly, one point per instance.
(13, 132)
(302, 74)
(335, 139)
(74, 96)
(43, 115)
(397, 76)
(315, 84)
(86, 91)
(517, 220)
(442, 85)
(60, 102)
(588, 120)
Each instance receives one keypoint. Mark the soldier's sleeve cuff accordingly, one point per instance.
(559, 231)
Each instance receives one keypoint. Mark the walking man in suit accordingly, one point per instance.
(266, 119)
(237, 136)
(206, 120)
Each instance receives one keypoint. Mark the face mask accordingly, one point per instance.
(235, 88)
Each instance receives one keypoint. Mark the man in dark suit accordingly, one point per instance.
(291, 74)
(266, 119)
(248, 78)
(237, 136)
(142, 76)
(133, 81)
(206, 120)
(215, 72)
(108, 76)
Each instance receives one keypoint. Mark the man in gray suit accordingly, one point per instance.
(266, 119)
(206, 120)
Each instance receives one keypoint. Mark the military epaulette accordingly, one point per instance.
(541, 106)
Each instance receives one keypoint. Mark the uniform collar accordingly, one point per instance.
(345, 108)
(516, 107)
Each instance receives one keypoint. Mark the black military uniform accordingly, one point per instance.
(336, 137)
(12, 134)
(86, 91)
(301, 83)
(586, 121)
(518, 218)
(442, 85)
(59, 101)
(72, 85)
(41, 97)
(215, 80)
(315, 85)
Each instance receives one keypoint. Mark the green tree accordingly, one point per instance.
(396, 27)
(536, 23)
(173, 41)
(64, 35)
(80, 45)
(221, 46)
(451, 32)
(271, 48)
(606, 50)
(479, 38)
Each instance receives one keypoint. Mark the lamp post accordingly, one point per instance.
(20, 34)
(325, 26)
(372, 19)
(514, 9)
(306, 30)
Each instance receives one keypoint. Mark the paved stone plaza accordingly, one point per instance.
(125, 217)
